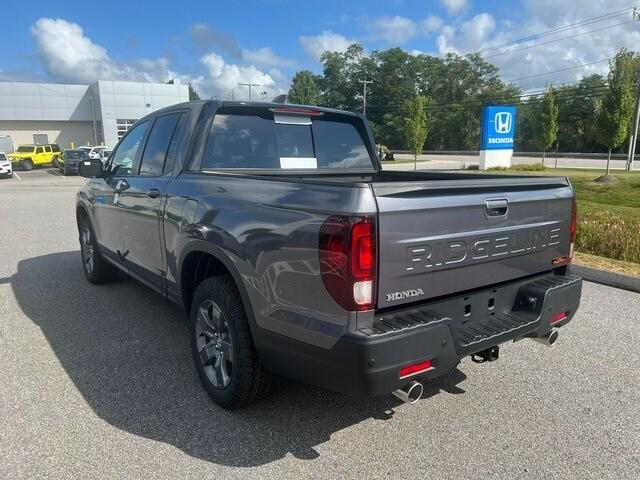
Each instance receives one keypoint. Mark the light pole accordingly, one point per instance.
(250, 85)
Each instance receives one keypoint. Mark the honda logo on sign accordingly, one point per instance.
(503, 122)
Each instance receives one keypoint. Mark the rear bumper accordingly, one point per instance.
(71, 166)
(368, 362)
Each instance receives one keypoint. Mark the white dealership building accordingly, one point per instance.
(73, 115)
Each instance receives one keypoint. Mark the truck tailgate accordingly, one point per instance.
(445, 236)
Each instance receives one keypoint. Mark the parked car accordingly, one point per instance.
(55, 148)
(94, 152)
(295, 253)
(29, 156)
(5, 166)
(68, 161)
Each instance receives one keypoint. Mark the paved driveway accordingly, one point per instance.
(97, 382)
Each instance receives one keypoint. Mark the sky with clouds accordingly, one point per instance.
(216, 45)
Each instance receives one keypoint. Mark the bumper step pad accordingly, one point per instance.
(528, 303)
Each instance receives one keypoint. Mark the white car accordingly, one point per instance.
(94, 152)
(5, 165)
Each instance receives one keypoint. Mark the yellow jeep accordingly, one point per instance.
(29, 156)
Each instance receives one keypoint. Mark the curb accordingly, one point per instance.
(605, 277)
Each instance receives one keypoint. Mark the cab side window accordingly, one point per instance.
(40, 150)
(155, 151)
(123, 158)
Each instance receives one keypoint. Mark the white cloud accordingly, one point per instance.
(265, 56)
(316, 45)
(468, 35)
(395, 30)
(222, 80)
(454, 6)
(431, 24)
(539, 16)
(69, 55)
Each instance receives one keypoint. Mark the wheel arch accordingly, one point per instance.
(201, 260)
(81, 211)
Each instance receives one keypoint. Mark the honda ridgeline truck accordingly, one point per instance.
(295, 254)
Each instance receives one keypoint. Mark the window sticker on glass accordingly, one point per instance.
(298, 162)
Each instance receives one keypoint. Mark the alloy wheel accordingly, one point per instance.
(214, 342)
(86, 245)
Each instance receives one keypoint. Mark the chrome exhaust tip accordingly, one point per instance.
(410, 393)
(547, 339)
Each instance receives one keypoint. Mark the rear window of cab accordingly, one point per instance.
(274, 140)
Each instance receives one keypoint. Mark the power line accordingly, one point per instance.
(562, 95)
(559, 39)
(559, 90)
(599, 18)
(559, 70)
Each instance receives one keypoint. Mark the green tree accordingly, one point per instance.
(576, 107)
(417, 125)
(614, 118)
(193, 95)
(548, 120)
(338, 85)
(303, 89)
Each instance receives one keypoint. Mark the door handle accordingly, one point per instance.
(153, 193)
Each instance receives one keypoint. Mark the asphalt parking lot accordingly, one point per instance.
(97, 382)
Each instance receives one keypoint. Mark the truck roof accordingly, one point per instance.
(224, 103)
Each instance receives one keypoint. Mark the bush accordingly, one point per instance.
(534, 167)
(608, 235)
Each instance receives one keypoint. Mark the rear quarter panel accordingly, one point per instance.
(268, 229)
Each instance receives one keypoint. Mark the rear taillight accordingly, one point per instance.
(348, 261)
(573, 228)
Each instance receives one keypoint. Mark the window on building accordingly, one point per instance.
(123, 126)
(155, 151)
(40, 138)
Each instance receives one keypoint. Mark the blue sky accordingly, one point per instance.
(216, 44)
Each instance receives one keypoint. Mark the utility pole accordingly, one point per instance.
(634, 131)
(364, 95)
(250, 85)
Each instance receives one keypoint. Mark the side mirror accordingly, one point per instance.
(90, 167)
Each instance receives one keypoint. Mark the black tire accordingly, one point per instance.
(54, 162)
(225, 344)
(26, 164)
(96, 268)
(65, 172)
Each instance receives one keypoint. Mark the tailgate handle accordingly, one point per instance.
(496, 208)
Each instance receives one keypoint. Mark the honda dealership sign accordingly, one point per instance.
(498, 130)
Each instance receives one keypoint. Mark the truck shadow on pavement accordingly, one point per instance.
(127, 351)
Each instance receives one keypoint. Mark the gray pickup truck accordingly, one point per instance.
(296, 254)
